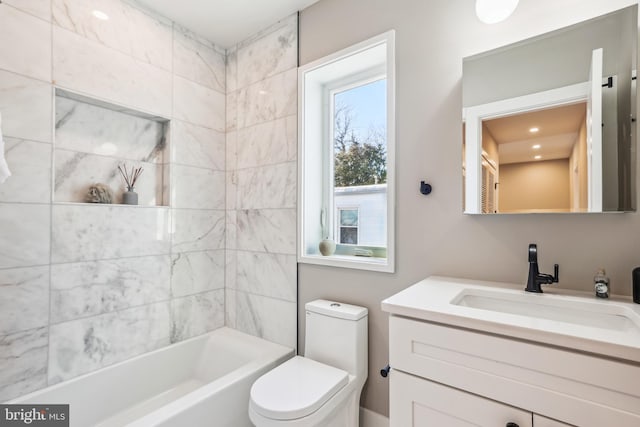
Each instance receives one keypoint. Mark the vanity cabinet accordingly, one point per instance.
(539, 421)
(449, 376)
(417, 402)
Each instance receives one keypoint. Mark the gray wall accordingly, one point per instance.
(433, 236)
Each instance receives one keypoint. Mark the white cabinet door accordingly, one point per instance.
(540, 421)
(418, 402)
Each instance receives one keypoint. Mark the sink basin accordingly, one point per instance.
(584, 313)
(563, 318)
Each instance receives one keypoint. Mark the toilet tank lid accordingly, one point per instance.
(336, 309)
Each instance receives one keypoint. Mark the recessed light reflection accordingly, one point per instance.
(100, 15)
(536, 147)
(538, 157)
(106, 149)
(493, 11)
(534, 130)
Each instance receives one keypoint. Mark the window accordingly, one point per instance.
(348, 226)
(346, 162)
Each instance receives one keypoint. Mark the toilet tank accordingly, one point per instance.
(336, 335)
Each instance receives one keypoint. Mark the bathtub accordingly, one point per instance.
(203, 381)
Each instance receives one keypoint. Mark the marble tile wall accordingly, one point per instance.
(25, 210)
(85, 286)
(261, 184)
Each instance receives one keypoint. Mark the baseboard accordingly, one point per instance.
(369, 418)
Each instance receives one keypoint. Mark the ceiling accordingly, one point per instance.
(558, 130)
(226, 22)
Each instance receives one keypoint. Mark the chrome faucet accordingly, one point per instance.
(535, 277)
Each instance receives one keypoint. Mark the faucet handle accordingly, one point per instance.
(547, 278)
(533, 252)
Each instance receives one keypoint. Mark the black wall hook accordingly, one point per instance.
(425, 188)
(385, 371)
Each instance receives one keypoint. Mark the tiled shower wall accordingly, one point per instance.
(261, 183)
(84, 286)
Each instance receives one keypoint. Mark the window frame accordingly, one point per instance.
(317, 213)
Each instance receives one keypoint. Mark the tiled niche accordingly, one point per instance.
(92, 138)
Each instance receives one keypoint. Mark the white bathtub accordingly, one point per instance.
(204, 381)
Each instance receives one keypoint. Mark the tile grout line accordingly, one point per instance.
(170, 72)
(226, 190)
(297, 340)
(131, 307)
(235, 188)
(170, 179)
(111, 48)
(29, 13)
(51, 194)
(255, 294)
(266, 165)
(25, 76)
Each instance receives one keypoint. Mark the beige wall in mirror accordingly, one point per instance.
(549, 121)
(528, 186)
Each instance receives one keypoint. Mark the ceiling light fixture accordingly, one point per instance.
(536, 147)
(494, 11)
(534, 130)
(538, 157)
(100, 15)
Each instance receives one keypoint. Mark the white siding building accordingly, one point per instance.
(361, 215)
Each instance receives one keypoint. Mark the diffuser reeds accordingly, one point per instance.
(130, 177)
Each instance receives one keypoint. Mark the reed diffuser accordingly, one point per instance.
(130, 197)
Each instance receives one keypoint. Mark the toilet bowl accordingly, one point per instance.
(323, 387)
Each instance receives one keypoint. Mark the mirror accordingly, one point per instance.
(549, 122)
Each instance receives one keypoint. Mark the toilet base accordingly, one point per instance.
(346, 414)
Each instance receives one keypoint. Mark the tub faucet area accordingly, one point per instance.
(536, 279)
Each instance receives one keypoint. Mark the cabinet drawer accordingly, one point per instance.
(573, 387)
(417, 402)
(539, 421)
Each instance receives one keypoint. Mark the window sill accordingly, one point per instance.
(349, 261)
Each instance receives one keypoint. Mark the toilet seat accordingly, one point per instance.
(296, 388)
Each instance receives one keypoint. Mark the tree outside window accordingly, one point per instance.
(360, 156)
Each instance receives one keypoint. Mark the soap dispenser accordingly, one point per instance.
(601, 283)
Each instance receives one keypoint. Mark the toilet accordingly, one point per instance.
(323, 387)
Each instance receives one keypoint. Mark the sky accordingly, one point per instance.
(369, 105)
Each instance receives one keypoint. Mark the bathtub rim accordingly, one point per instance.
(273, 354)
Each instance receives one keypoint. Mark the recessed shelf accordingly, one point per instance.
(109, 205)
(94, 137)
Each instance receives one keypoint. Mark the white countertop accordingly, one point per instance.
(431, 300)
